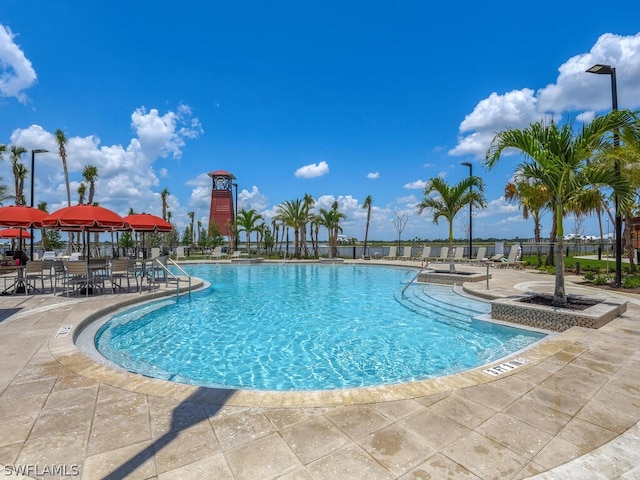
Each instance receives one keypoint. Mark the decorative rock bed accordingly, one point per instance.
(522, 311)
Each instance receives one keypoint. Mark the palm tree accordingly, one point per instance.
(90, 174)
(18, 171)
(533, 198)
(450, 200)
(61, 139)
(82, 191)
(367, 204)
(21, 172)
(307, 203)
(247, 221)
(192, 216)
(43, 206)
(330, 219)
(292, 214)
(164, 196)
(557, 158)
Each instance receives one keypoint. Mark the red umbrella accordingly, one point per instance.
(14, 233)
(21, 216)
(84, 218)
(145, 222)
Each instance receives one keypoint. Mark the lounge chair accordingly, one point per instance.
(457, 255)
(424, 256)
(406, 253)
(444, 255)
(217, 254)
(180, 254)
(392, 254)
(511, 260)
(480, 255)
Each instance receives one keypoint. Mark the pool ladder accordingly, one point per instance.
(169, 273)
(426, 265)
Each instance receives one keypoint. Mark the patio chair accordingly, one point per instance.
(122, 269)
(76, 278)
(58, 275)
(392, 254)
(406, 253)
(32, 273)
(458, 253)
(155, 252)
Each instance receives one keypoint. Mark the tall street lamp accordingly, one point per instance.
(468, 164)
(33, 164)
(600, 69)
(235, 217)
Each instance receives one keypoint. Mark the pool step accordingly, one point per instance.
(436, 304)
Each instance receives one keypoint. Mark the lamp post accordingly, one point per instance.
(600, 69)
(468, 164)
(235, 217)
(33, 164)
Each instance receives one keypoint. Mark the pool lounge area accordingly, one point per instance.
(569, 410)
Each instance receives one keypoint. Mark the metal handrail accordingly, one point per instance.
(426, 264)
(169, 272)
(181, 271)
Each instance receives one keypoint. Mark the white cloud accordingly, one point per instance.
(126, 174)
(161, 136)
(16, 72)
(373, 175)
(415, 185)
(574, 91)
(313, 170)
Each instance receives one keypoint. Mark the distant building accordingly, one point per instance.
(221, 211)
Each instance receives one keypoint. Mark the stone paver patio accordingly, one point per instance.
(572, 412)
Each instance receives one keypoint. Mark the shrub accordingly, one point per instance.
(601, 279)
(589, 276)
(631, 282)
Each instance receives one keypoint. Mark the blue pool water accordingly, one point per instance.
(307, 327)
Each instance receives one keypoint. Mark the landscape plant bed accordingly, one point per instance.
(573, 302)
(535, 310)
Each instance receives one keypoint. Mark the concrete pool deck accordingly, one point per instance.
(571, 412)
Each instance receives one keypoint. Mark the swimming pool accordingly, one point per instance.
(306, 327)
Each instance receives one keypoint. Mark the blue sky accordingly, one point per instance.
(339, 100)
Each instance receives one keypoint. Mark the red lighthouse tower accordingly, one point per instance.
(221, 211)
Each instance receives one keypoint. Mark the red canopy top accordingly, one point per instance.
(84, 217)
(145, 222)
(21, 216)
(14, 233)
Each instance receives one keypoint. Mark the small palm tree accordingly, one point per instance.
(61, 139)
(367, 204)
(534, 198)
(292, 214)
(18, 172)
(330, 219)
(450, 200)
(192, 216)
(164, 196)
(249, 221)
